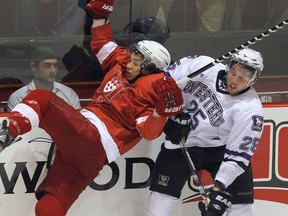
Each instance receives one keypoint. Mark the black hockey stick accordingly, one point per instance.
(194, 172)
(227, 55)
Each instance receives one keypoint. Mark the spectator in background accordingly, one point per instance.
(278, 12)
(44, 66)
(6, 25)
(146, 28)
(82, 66)
(234, 13)
(81, 62)
(206, 15)
(211, 14)
(49, 17)
(218, 15)
(187, 21)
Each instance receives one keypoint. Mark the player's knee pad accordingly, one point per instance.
(241, 209)
(160, 204)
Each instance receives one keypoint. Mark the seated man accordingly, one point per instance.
(44, 66)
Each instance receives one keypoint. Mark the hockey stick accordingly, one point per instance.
(193, 172)
(227, 55)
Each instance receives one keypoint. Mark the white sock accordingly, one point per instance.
(160, 204)
(241, 209)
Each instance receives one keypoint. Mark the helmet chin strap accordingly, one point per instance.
(253, 79)
(150, 68)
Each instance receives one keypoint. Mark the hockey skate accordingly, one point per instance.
(5, 139)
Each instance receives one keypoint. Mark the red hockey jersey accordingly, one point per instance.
(125, 109)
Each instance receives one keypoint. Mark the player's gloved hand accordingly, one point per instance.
(170, 97)
(220, 200)
(100, 9)
(178, 127)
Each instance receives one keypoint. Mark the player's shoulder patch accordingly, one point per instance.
(257, 123)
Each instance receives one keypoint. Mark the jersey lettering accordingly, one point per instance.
(209, 101)
(197, 114)
(173, 109)
(107, 7)
(223, 200)
(249, 144)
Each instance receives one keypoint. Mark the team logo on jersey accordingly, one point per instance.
(257, 123)
(113, 87)
(113, 84)
(163, 180)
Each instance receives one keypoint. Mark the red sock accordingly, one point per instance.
(49, 206)
(18, 124)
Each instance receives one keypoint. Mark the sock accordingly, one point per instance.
(49, 206)
(160, 204)
(18, 124)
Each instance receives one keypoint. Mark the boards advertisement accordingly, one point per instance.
(122, 188)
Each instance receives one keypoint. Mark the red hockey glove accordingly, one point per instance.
(170, 97)
(100, 9)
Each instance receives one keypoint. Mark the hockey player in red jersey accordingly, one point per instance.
(133, 102)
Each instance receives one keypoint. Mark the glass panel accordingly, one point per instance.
(185, 27)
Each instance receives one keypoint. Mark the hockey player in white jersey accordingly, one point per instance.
(226, 126)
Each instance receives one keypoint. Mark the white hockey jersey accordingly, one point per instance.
(218, 118)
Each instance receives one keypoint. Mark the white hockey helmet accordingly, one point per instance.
(153, 53)
(252, 59)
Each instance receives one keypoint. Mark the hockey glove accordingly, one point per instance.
(178, 127)
(100, 9)
(170, 97)
(220, 200)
